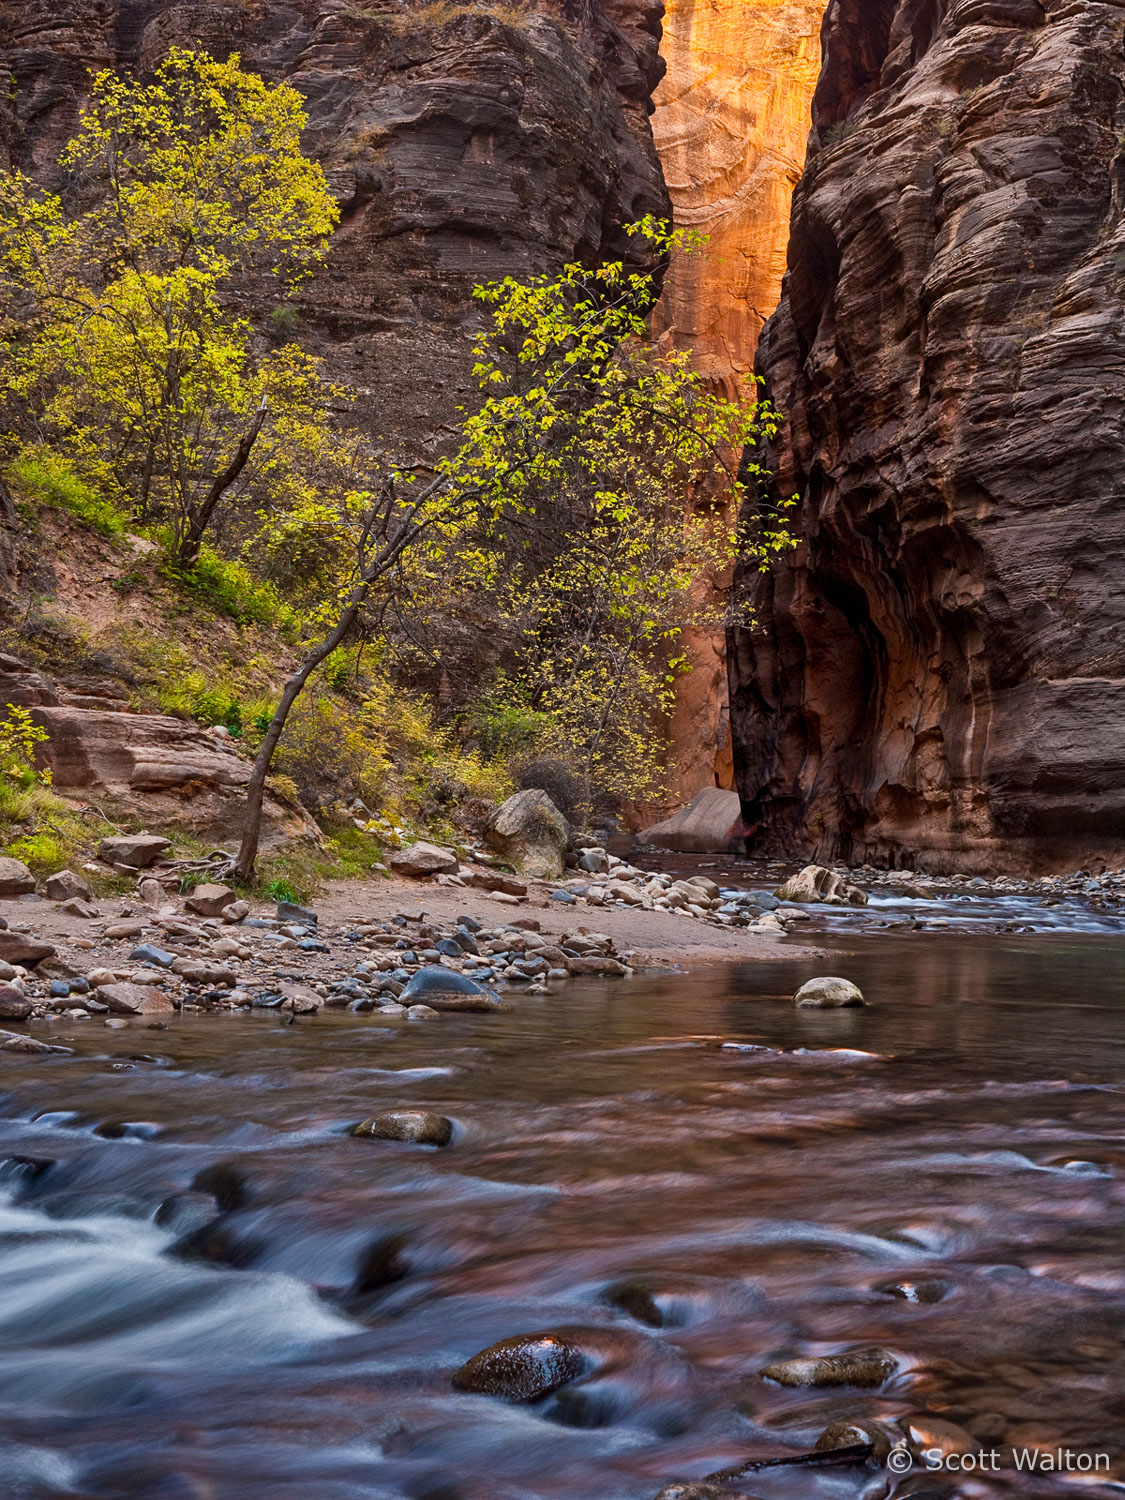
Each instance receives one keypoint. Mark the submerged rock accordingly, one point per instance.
(419, 1126)
(868, 1369)
(854, 1435)
(829, 993)
(524, 1368)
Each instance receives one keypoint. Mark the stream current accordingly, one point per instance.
(210, 1291)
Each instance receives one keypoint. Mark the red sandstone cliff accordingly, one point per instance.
(938, 675)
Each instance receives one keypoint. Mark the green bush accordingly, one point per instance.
(48, 478)
(229, 588)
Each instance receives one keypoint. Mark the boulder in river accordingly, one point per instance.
(869, 1369)
(854, 1435)
(15, 878)
(423, 859)
(829, 993)
(65, 885)
(524, 1368)
(421, 1127)
(445, 989)
(815, 883)
(529, 831)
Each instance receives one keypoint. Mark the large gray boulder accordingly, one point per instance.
(829, 993)
(815, 883)
(529, 832)
(711, 823)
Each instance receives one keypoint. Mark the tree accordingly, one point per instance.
(116, 336)
(581, 456)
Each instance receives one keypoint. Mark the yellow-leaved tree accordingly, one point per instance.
(118, 345)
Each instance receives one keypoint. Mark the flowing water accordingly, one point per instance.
(940, 1175)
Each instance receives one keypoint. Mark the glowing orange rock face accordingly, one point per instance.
(731, 123)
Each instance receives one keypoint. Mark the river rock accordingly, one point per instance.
(868, 1369)
(210, 900)
(9, 1042)
(289, 911)
(14, 1004)
(444, 989)
(15, 878)
(529, 832)
(136, 849)
(829, 993)
(134, 1000)
(594, 862)
(76, 907)
(815, 883)
(699, 1490)
(524, 1368)
(853, 1435)
(19, 948)
(419, 1126)
(65, 885)
(423, 859)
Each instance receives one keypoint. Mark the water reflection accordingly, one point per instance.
(687, 1173)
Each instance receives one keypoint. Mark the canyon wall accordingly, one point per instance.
(731, 123)
(937, 676)
(463, 143)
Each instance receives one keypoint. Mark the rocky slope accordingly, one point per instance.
(938, 674)
(730, 124)
(464, 142)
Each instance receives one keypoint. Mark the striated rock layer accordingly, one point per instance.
(464, 143)
(731, 124)
(937, 677)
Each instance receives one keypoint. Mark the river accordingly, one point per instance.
(687, 1173)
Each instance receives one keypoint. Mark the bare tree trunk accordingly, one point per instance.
(193, 536)
(256, 786)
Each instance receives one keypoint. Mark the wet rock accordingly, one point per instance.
(134, 1000)
(815, 883)
(418, 1126)
(227, 1182)
(606, 966)
(423, 859)
(529, 831)
(381, 1264)
(65, 885)
(923, 1431)
(210, 900)
(701, 1490)
(19, 948)
(924, 1290)
(867, 1369)
(9, 1042)
(854, 1435)
(14, 1004)
(829, 993)
(524, 1368)
(422, 1013)
(136, 849)
(185, 1213)
(15, 878)
(443, 989)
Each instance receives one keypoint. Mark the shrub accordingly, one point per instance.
(48, 478)
(229, 588)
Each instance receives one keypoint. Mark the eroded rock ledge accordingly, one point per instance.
(938, 675)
